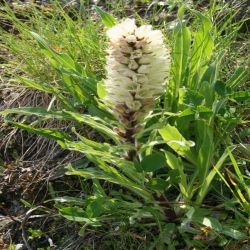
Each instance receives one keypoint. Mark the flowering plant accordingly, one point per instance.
(138, 65)
(160, 159)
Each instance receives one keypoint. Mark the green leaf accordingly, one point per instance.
(207, 84)
(94, 122)
(189, 97)
(157, 184)
(59, 59)
(181, 53)
(181, 11)
(212, 223)
(201, 50)
(69, 200)
(240, 95)
(172, 160)
(233, 233)
(238, 78)
(239, 174)
(221, 88)
(153, 162)
(75, 214)
(42, 112)
(47, 88)
(75, 79)
(206, 184)
(72, 86)
(49, 133)
(38, 86)
(101, 91)
(177, 175)
(87, 149)
(205, 149)
(177, 142)
(201, 216)
(35, 234)
(99, 205)
(109, 174)
(108, 20)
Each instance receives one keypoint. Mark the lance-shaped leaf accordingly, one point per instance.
(177, 142)
(202, 49)
(49, 133)
(107, 19)
(94, 122)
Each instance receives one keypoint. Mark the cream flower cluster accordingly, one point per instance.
(137, 67)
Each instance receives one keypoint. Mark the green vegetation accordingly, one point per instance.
(188, 186)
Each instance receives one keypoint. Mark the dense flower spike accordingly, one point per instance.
(137, 68)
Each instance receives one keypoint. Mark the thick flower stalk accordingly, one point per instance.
(137, 69)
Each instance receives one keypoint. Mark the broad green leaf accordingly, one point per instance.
(98, 206)
(177, 142)
(197, 212)
(76, 214)
(157, 184)
(189, 97)
(49, 133)
(221, 88)
(107, 19)
(212, 223)
(201, 216)
(205, 21)
(153, 162)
